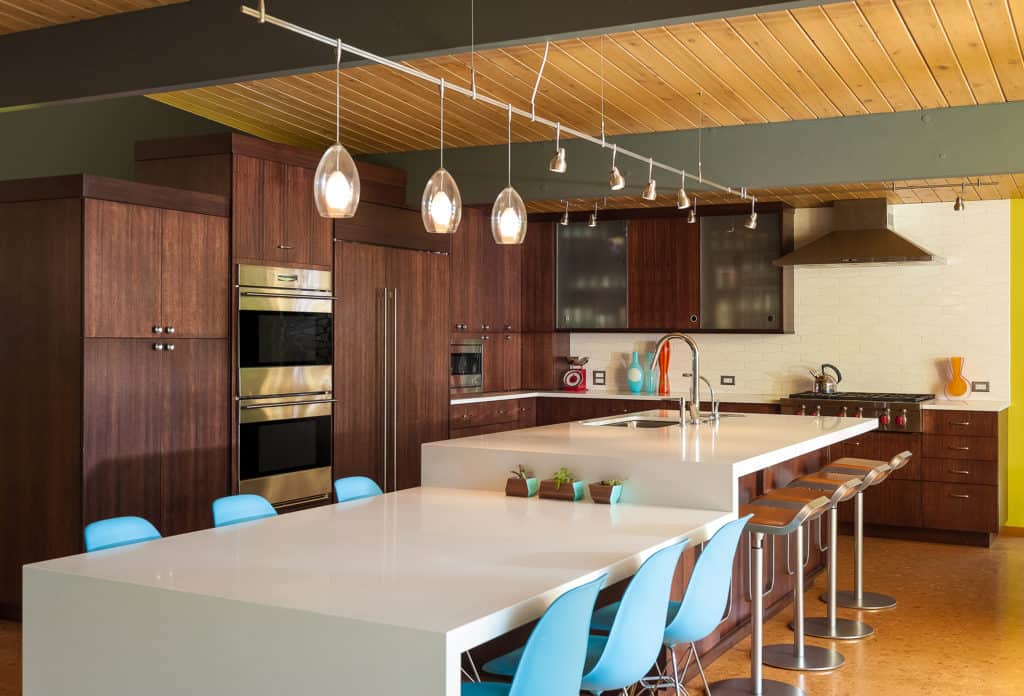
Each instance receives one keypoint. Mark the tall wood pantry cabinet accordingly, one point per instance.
(118, 370)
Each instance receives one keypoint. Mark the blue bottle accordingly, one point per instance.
(650, 375)
(635, 375)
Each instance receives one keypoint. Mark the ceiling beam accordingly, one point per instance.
(955, 142)
(206, 42)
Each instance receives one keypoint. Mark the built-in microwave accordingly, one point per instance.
(467, 366)
(285, 331)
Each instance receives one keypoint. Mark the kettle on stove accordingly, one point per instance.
(824, 383)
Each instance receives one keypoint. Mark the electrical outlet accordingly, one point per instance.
(727, 380)
(979, 387)
(599, 378)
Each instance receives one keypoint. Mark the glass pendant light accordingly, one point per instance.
(558, 163)
(751, 223)
(508, 215)
(565, 216)
(592, 221)
(615, 180)
(441, 205)
(682, 200)
(650, 191)
(336, 183)
(692, 219)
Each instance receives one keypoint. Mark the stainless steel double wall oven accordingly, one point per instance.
(285, 383)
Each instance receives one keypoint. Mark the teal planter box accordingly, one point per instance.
(567, 491)
(522, 488)
(605, 495)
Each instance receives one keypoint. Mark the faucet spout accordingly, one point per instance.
(694, 406)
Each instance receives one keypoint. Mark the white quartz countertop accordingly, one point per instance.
(979, 405)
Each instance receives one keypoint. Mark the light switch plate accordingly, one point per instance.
(727, 380)
(599, 378)
(980, 387)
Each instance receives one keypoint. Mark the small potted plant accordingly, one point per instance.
(521, 484)
(607, 492)
(562, 486)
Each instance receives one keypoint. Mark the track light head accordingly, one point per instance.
(565, 216)
(592, 221)
(692, 217)
(615, 180)
(959, 204)
(751, 223)
(558, 164)
(650, 190)
(682, 200)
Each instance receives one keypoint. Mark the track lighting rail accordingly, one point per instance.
(263, 17)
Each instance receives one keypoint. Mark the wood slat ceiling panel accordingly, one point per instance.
(23, 15)
(842, 59)
(1005, 186)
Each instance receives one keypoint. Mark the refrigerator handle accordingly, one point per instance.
(394, 396)
(384, 390)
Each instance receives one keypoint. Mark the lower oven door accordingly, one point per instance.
(284, 451)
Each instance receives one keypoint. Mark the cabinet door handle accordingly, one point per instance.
(962, 472)
(170, 346)
(957, 448)
(508, 338)
(285, 246)
(962, 424)
(169, 329)
(158, 346)
(962, 496)
(158, 329)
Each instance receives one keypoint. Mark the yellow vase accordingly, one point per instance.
(958, 387)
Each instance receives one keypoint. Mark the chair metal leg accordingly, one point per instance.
(858, 598)
(832, 626)
(700, 668)
(475, 676)
(675, 672)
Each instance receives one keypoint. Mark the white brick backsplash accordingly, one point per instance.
(888, 327)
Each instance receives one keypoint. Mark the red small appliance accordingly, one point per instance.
(575, 378)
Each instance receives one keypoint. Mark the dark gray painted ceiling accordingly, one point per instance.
(210, 41)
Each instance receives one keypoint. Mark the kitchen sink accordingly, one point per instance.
(633, 422)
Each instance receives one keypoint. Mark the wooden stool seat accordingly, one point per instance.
(780, 516)
(841, 487)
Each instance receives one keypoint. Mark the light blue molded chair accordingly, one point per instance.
(551, 662)
(234, 509)
(118, 531)
(626, 654)
(702, 607)
(355, 487)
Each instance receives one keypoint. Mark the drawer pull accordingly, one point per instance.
(962, 472)
(962, 424)
(962, 496)
(960, 449)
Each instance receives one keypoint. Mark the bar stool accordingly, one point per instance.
(840, 487)
(774, 519)
(798, 656)
(858, 598)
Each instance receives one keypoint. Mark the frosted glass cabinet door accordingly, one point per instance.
(740, 287)
(591, 276)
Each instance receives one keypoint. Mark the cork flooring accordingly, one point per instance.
(958, 628)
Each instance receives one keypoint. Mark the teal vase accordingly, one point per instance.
(650, 375)
(635, 375)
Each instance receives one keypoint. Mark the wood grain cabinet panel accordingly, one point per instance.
(960, 471)
(246, 208)
(195, 275)
(890, 444)
(962, 507)
(279, 244)
(494, 362)
(664, 274)
(468, 274)
(862, 447)
(512, 361)
(122, 249)
(961, 423)
(894, 502)
(960, 447)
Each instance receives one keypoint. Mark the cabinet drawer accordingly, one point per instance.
(963, 507)
(891, 444)
(960, 447)
(862, 446)
(961, 423)
(960, 471)
(486, 413)
(894, 502)
(527, 413)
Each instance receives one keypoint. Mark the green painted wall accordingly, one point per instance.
(1016, 415)
(91, 138)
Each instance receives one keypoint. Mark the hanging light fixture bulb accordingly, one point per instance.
(615, 180)
(692, 218)
(959, 204)
(508, 215)
(592, 221)
(336, 183)
(651, 189)
(441, 205)
(558, 164)
(682, 200)
(751, 223)
(565, 216)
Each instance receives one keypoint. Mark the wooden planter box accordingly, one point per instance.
(521, 488)
(605, 495)
(567, 491)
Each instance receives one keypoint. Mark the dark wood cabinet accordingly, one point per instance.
(486, 278)
(512, 361)
(663, 274)
(246, 207)
(392, 226)
(151, 272)
(391, 361)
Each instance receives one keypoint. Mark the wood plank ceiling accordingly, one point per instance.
(844, 59)
(995, 187)
(23, 15)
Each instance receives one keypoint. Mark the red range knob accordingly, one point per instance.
(860, 412)
(901, 421)
(843, 412)
(884, 419)
(817, 411)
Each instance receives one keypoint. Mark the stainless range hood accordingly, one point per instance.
(862, 233)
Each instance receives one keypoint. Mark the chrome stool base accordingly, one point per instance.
(846, 629)
(870, 601)
(814, 659)
(745, 687)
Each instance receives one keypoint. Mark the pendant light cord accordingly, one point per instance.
(442, 123)
(509, 144)
(602, 90)
(337, 94)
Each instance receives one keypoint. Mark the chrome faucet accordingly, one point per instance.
(694, 407)
(715, 417)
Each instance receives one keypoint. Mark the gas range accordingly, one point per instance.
(895, 412)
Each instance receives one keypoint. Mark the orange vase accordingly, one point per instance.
(663, 359)
(957, 387)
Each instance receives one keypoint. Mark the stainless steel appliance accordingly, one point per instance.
(284, 446)
(285, 331)
(285, 383)
(467, 366)
(825, 383)
(895, 412)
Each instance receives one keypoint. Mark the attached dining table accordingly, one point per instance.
(382, 594)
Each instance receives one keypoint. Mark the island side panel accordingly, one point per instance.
(98, 638)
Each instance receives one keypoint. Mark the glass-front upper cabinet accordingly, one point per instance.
(740, 288)
(591, 276)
